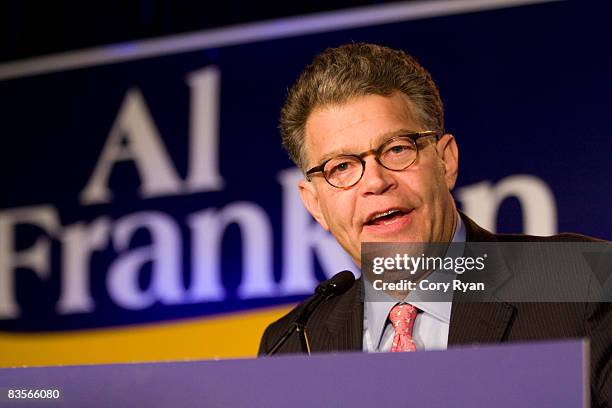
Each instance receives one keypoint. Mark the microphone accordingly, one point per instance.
(334, 286)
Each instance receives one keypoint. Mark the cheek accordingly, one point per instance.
(434, 184)
(340, 211)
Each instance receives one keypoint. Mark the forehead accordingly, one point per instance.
(359, 124)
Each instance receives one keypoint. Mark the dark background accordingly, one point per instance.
(30, 28)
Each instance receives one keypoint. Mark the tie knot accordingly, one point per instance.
(402, 317)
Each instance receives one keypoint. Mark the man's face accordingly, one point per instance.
(419, 195)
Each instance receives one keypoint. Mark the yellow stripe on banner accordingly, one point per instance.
(227, 336)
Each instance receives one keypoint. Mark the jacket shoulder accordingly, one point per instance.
(475, 233)
(562, 237)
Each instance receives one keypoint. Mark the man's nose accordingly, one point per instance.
(376, 179)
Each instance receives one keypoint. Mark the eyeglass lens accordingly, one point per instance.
(345, 171)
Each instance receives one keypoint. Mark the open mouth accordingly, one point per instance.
(387, 217)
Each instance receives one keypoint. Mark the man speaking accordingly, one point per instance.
(366, 126)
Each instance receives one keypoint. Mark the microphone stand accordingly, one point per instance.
(334, 286)
(299, 326)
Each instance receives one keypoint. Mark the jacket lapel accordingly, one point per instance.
(481, 322)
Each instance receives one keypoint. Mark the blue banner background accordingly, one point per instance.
(526, 91)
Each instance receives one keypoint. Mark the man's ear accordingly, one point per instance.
(449, 154)
(310, 198)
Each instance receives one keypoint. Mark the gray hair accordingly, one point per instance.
(351, 70)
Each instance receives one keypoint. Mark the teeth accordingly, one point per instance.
(384, 214)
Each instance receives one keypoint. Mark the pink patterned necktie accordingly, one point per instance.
(402, 317)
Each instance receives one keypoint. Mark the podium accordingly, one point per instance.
(513, 375)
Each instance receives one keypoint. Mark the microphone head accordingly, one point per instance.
(336, 285)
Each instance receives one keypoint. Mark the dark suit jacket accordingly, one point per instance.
(337, 325)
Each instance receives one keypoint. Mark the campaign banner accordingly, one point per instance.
(147, 208)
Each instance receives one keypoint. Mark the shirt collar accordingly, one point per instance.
(378, 304)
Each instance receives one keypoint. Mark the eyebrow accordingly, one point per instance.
(381, 139)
